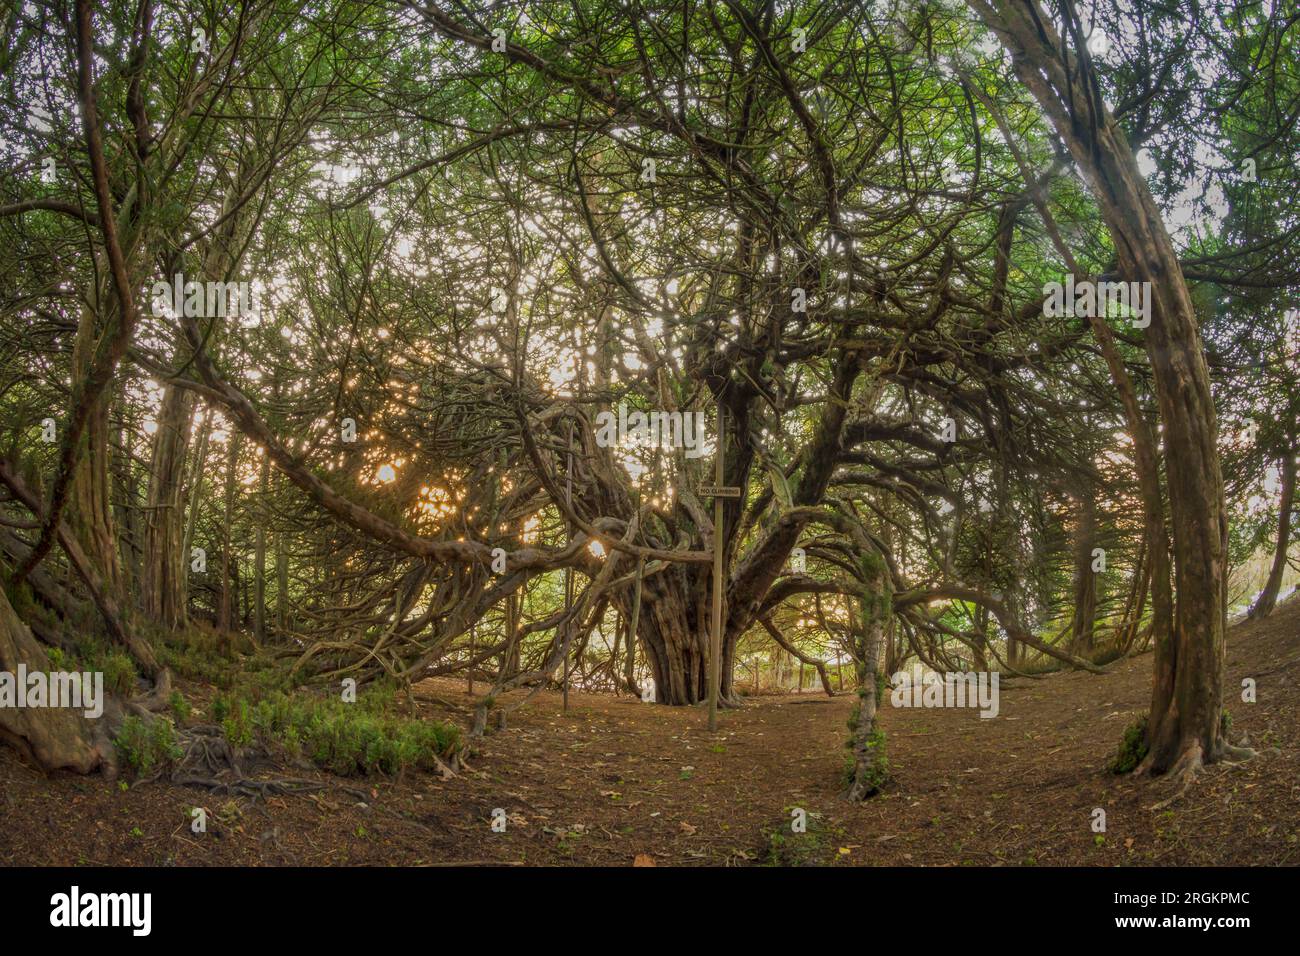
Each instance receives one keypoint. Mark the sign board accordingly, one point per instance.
(719, 491)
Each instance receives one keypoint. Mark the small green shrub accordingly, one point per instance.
(145, 745)
(119, 674)
(237, 725)
(180, 707)
(1132, 749)
(814, 847)
(196, 654)
(346, 739)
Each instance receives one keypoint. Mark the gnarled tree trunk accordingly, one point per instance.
(869, 764)
(1085, 579)
(1183, 726)
(164, 583)
(673, 628)
(56, 738)
(89, 511)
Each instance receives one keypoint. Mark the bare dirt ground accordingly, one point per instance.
(615, 779)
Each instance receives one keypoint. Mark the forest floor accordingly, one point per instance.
(615, 781)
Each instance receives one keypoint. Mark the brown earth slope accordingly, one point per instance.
(615, 779)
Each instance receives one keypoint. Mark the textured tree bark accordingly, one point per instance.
(674, 637)
(259, 560)
(55, 738)
(82, 481)
(166, 582)
(282, 582)
(1183, 726)
(192, 498)
(104, 600)
(89, 513)
(1267, 599)
(165, 578)
(869, 764)
(633, 624)
(126, 499)
(1085, 579)
(510, 656)
(226, 604)
(80, 513)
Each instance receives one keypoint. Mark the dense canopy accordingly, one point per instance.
(393, 340)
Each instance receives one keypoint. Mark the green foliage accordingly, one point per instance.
(875, 772)
(1132, 749)
(180, 707)
(935, 352)
(237, 725)
(814, 847)
(849, 767)
(872, 565)
(120, 676)
(88, 651)
(92, 653)
(144, 744)
(347, 739)
(200, 653)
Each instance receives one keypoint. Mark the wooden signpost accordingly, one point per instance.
(717, 491)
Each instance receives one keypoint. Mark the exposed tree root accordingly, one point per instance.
(154, 699)
(444, 770)
(1236, 755)
(860, 791)
(1191, 763)
(210, 763)
(1182, 774)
